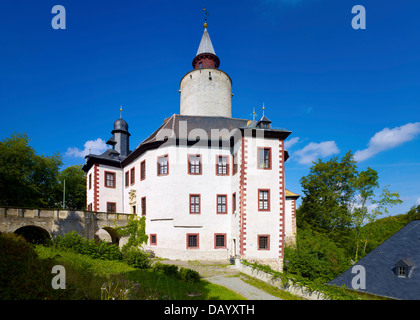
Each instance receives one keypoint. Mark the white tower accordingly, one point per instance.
(206, 90)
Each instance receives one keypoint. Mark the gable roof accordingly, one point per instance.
(190, 129)
(379, 265)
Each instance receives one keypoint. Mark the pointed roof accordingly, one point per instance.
(205, 44)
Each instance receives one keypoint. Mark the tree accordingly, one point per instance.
(364, 183)
(380, 206)
(75, 192)
(27, 179)
(328, 189)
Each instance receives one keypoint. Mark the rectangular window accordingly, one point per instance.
(109, 179)
(192, 240)
(220, 240)
(221, 203)
(127, 177)
(263, 200)
(235, 163)
(134, 209)
(234, 203)
(264, 242)
(90, 181)
(163, 167)
(264, 158)
(194, 203)
(89, 207)
(111, 207)
(222, 166)
(143, 206)
(194, 164)
(132, 176)
(153, 239)
(402, 271)
(143, 170)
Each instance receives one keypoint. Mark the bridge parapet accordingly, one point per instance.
(60, 221)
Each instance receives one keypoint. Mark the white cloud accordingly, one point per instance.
(418, 202)
(289, 143)
(97, 146)
(388, 139)
(312, 151)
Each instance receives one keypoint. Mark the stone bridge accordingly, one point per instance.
(34, 224)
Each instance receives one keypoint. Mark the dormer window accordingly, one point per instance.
(402, 272)
(403, 268)
(264, 123)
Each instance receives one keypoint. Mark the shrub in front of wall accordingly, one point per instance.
(137, 258)
(188, 275)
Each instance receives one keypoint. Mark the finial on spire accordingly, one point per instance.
(120, 112)
(205, 25)
(253, 115)
(263, 109)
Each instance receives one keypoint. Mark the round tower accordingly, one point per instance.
(206, 90)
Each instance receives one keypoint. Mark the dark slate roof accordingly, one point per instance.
(381, 278)
(264, 119)
(184, 127)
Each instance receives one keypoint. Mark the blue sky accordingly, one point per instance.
(336, 88)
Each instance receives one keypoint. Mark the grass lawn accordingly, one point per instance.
(88, 278)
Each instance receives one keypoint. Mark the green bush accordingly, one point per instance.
(137, 258)
(23, 275)
(98, 250)
(188, 275)
(168, 269)
(316, 257)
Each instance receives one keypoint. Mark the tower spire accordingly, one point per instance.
(120, 112)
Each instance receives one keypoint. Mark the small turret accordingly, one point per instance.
(120, 140)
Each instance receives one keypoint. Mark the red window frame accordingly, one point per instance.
(235, 165)
(264, 200)
(143, 170)
(217, 165)
(153, 243)
(132, 175)
(113, 179)
(200, 165)
(143, 206)
(233, 203)
(268, 241)
(90, 181)
(263, 149)
(127, 178)
(220, 205)
(195, 204)
(197, 240)
(159, 166)
(111, 203)
(224, 240)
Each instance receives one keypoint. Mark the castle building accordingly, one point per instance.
(210, 186)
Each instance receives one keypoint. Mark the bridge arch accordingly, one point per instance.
(34, 234)
(108, 234)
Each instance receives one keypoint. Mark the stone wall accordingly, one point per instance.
(293, 289)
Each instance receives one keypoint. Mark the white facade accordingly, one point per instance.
(199, 212)
(206, 92)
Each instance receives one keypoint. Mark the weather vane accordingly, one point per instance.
(205, 18)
